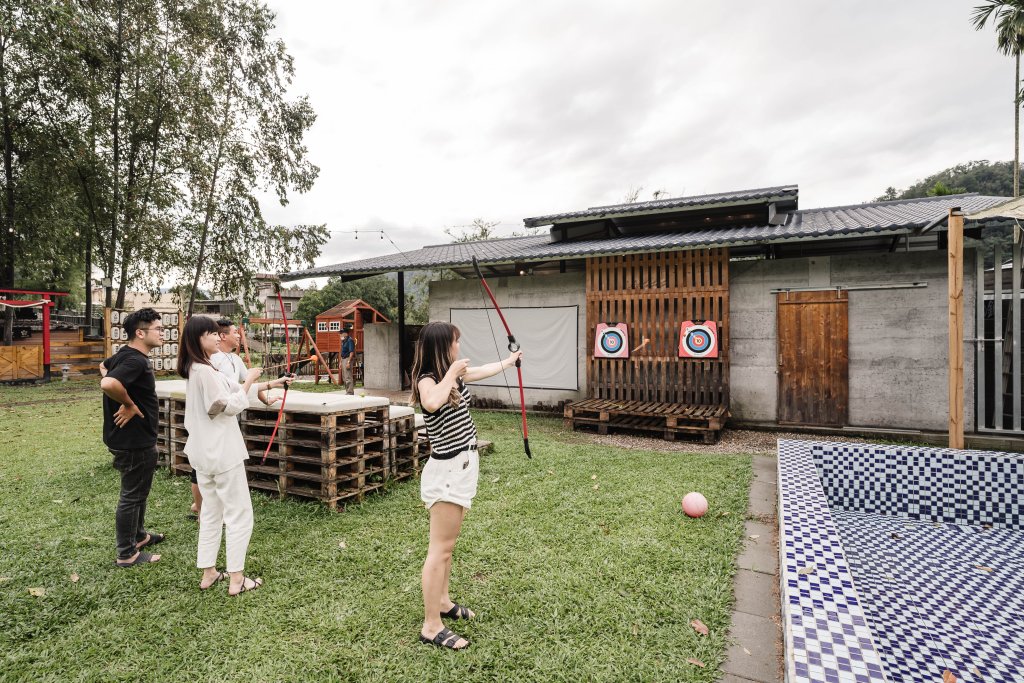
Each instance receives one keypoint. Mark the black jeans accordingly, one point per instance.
(136, 468)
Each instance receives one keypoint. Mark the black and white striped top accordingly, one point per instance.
(451, 430)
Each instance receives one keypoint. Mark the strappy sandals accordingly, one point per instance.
(445, 638)
(457, 612)
(256, 583)
(220, 577)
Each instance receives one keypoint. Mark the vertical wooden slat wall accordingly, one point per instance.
(654, 293)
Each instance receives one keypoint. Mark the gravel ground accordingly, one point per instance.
(732, 441)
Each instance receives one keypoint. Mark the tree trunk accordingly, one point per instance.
(209, 203)
(88, 277)
(115, 135)
(126, 256)
(1016, 128)
(7, 266)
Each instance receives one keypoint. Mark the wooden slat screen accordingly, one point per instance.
(654, 293)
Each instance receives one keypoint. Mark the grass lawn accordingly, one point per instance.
(579, 564)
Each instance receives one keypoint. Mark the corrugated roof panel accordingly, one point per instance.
(659, 205)
(807, 224)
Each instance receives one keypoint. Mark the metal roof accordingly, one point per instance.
(781, 193)
(892, 217)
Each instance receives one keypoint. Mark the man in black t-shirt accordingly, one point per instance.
(130, 423)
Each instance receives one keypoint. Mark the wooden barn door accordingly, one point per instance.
(813, 358)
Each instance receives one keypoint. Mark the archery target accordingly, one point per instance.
(698, 340)
(611, 340)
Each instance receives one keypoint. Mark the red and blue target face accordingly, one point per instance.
(698, 341)
(611, 340)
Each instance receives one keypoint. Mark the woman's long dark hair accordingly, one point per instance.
(189, 349)
(433, 357)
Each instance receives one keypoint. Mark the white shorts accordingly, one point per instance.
(452, 481)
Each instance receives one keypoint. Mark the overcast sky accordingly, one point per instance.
(434, 113)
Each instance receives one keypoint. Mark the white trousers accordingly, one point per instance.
(226, 503)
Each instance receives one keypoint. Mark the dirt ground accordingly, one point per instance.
(732, 441)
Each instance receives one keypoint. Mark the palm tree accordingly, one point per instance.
(1008, 17)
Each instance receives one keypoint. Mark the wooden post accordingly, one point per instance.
(401, 331)
(956, 327)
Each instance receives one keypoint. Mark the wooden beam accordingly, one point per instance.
(955, 250)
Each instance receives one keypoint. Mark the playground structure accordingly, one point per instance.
(27, 363)
(270, 348)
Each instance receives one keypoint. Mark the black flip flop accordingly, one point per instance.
(457, 612)
(152, 540)
(445, 638)
(141, 558)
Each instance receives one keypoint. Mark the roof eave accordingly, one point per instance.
(809, 237)
(561, 219)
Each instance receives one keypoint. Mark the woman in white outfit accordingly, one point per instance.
(217, 453)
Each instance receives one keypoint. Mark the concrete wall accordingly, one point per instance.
(567, 289)
(898, 369)
(380, 357)
(897, 338)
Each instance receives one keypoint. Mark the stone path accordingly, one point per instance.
(756, 652)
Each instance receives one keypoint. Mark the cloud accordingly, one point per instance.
(433, 114)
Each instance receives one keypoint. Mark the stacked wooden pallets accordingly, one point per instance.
(409, 448)
(328, 447)
(667, 420)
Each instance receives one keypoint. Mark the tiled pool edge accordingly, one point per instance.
(820, 604)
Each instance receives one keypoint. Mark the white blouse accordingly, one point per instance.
(212, 401)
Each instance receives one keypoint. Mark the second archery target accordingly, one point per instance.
(611, 340)
(698, 339)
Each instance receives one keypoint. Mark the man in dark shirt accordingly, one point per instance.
(348, 358)
(130, 423)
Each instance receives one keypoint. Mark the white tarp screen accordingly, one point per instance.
(548, 336)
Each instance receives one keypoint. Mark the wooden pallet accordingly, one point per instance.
(670, 420)
(331, 457)
(407, 457)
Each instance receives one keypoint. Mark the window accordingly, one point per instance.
(321, 326)
(335, 326)
(288, 306)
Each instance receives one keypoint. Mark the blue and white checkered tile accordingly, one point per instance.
(994, 491)
(939, 596)
(933, 484)
(827, 634)
(854, 477)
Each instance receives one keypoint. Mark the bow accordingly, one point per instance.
(513, 346)
(287, 367)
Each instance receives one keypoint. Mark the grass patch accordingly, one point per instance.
(571, 582)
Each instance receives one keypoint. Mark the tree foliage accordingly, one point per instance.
(379, 291)
(143, 133)
(984, 177)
